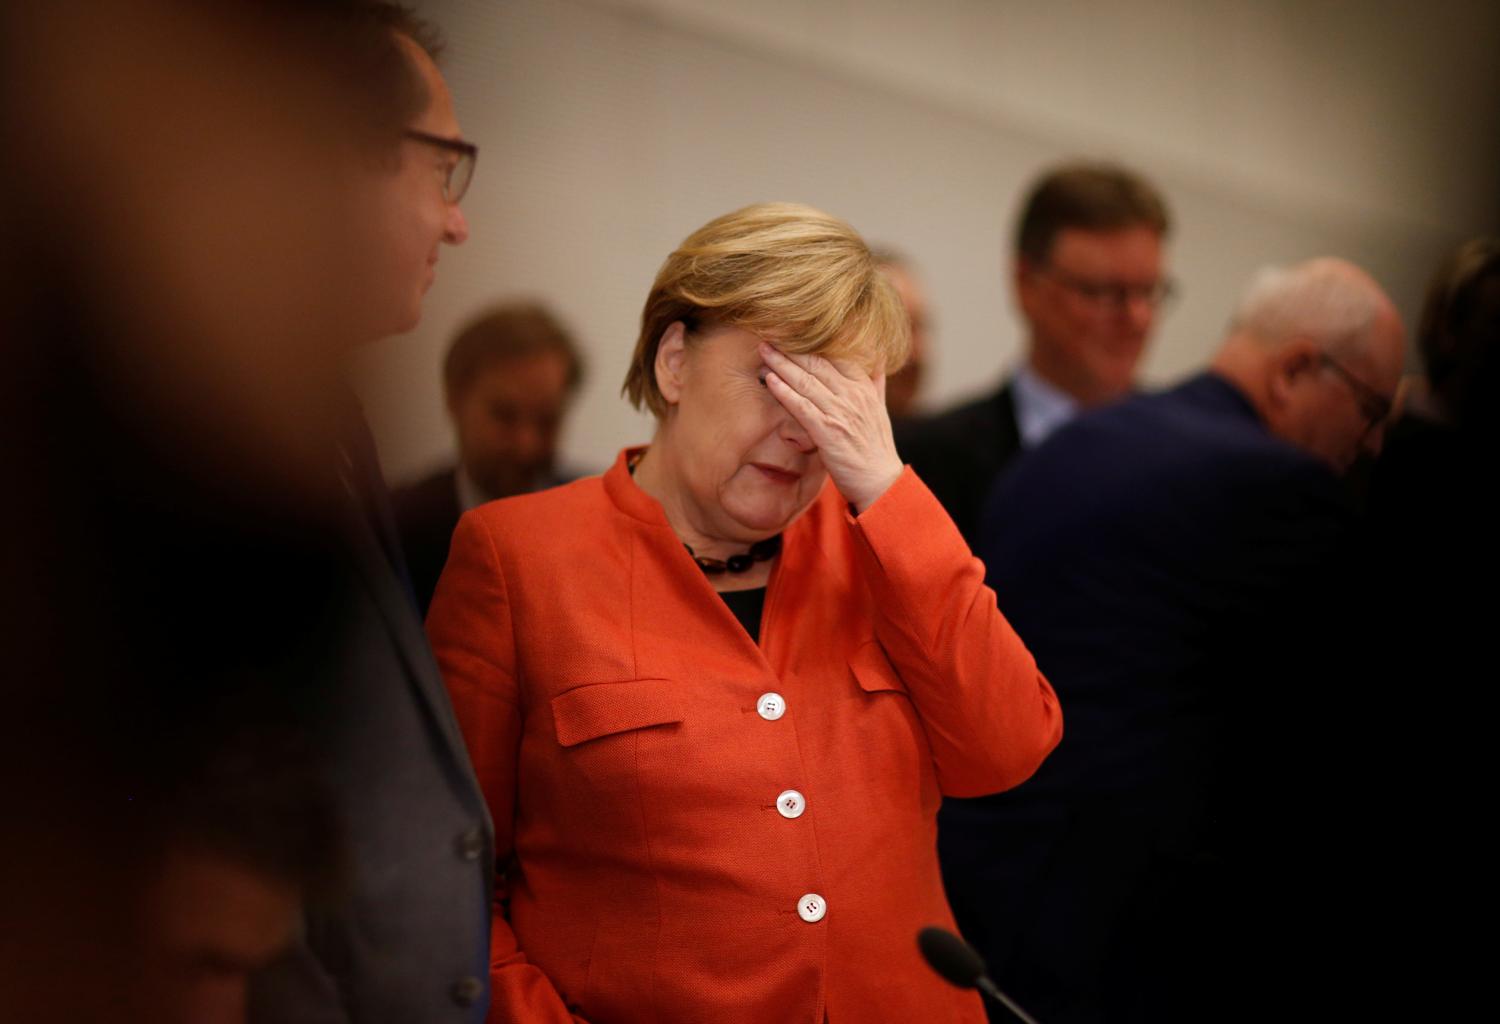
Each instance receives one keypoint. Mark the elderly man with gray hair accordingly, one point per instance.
(1175, 562)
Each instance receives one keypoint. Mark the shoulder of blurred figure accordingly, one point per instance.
(433, 495)
(961, 423)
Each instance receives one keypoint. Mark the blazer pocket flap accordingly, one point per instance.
(873, 670)
(600, 709)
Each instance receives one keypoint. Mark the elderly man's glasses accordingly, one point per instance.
(460, 171)
(1112, 295)
(1375, 406)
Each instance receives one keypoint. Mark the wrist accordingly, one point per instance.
(873, 488)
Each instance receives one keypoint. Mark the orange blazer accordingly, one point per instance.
(694, 828)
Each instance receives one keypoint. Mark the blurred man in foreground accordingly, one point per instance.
(214, 204)
(410, 941)
(188, 269)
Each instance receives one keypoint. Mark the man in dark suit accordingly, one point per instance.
(1089, 278)
(1172, 562)
(508, 378)
(407, 941)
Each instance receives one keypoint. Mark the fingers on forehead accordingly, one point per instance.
(802, 361)
(825, 367)
(785, 393)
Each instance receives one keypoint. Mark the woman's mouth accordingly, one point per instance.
(776, 474)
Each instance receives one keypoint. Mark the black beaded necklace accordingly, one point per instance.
(760, 551)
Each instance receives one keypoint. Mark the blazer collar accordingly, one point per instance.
(629, 498)
(792, 581)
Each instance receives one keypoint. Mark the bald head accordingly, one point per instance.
(1329, 301)
(1318, 348)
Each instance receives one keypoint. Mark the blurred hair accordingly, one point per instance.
(885, 256)
(403, 20)
(1090, 197)
(256, 798)
(354, 44)
(1459, 333)
(794, 275)
(1320, 300)
(359, 44)
(510, 331)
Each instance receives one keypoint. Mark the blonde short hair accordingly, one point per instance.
(787, 272)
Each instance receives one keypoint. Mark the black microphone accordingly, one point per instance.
(956, 963)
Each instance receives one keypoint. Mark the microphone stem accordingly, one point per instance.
(992, 990)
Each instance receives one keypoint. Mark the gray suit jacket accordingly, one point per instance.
(408, 941)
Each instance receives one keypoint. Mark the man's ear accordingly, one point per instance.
(1291, 363)
(671, 362)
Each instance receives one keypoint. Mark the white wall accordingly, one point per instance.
(609, 129)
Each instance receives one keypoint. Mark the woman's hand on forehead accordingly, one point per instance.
(841, 405)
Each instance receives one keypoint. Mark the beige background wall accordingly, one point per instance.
(609, 129)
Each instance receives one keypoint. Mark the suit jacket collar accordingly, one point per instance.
(389, 591)
(1039, 407)
(1215, 391)
(1008, 431)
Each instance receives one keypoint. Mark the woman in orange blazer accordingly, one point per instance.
(715, 696)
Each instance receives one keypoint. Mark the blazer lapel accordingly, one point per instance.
(393, 598)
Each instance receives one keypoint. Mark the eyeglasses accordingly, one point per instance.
(1375, 407)
(1113, 295)
(461, 171)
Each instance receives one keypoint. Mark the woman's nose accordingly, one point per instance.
(796, 435)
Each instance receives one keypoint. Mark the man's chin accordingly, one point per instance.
(1117, 383)
(400, 324)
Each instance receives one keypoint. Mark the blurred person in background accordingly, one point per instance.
(1180, 564)
(1089, 278)
(716, 695)
(1450, 422)
(903, 386)
(1433, 498)
(508, 379)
